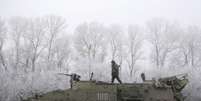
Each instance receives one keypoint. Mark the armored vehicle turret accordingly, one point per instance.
(163, 89)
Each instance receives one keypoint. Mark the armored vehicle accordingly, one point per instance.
(163, 89)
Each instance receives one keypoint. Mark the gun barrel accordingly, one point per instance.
(64, 74)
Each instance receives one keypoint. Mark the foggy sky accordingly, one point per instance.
(106, 11)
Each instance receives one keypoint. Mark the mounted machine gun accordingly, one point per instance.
(73, 77)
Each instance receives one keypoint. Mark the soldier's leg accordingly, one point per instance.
(113, 79)
(71, 83)
(118, 79)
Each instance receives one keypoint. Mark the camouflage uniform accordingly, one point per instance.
(115, 72)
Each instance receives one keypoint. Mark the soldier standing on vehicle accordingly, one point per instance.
(143, 77)
(115, 71)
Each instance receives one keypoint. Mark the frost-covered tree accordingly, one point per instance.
(135, 38)
(191, 44)
(115, 39)
(55, 25)
(62, 53)
(35, 38)
(18, 26)
(162, 36)
(89, 39)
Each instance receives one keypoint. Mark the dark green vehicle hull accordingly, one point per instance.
(101, 91)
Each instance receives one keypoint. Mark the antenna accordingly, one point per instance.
(91, 77)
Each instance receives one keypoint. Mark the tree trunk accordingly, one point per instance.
(3, 61)
(185, 59)
(50, 50)
(157, 56)
(33, 64)
(192, 55)
(1, 56)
